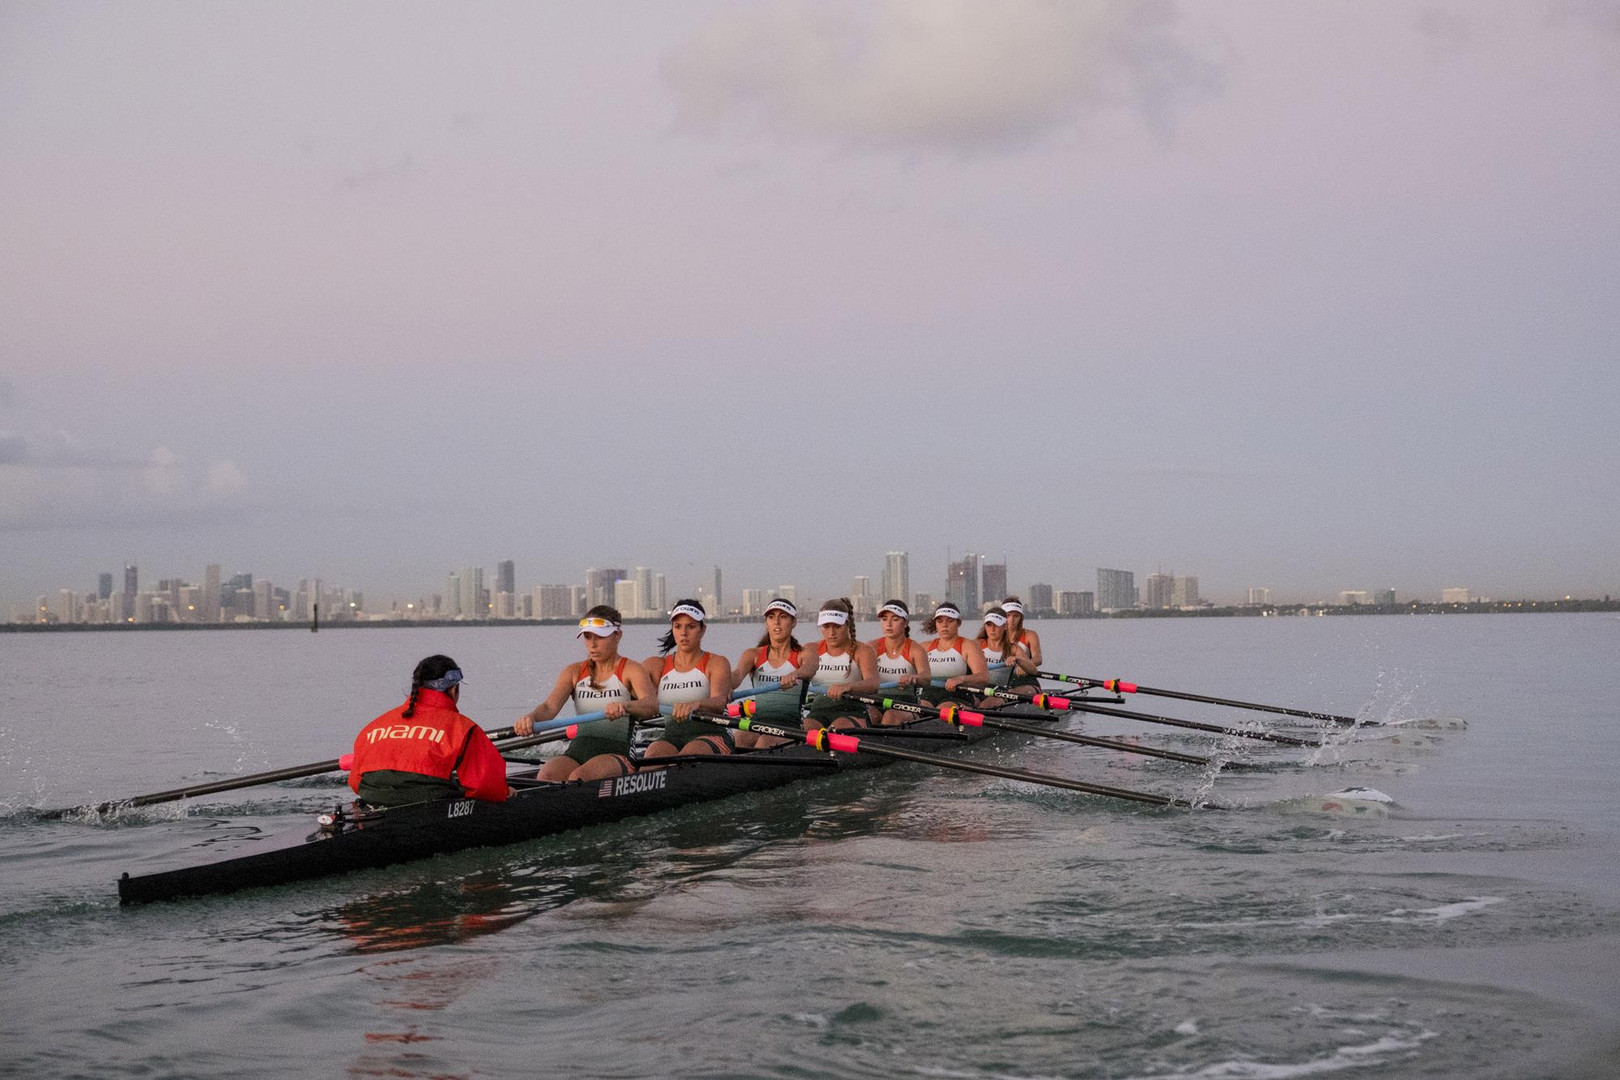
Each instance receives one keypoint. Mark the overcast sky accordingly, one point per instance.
(1313, 296)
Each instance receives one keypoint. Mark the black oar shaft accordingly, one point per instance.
(1001, 724)
(1125, 687)
(844, 742)
(1193, 725)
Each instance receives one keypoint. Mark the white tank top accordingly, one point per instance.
(891, 668)
(768, 676)
(835, 670)
(946, 663)
(589, 699)
(999, 676)
(677, 687)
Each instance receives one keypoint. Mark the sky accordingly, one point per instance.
(1307, 296)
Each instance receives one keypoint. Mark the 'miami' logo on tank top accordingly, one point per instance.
(946, 663)
(768, 676)
(891, 668)
(834, 670)
(677, 687)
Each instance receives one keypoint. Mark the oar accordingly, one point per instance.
(953, 714)
(1120, 686)
(845, 743)
(1052, 701)
(292, 773)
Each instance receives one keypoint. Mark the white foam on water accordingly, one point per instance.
(1445, 911)
(1186, 1027)
(815, 1020)
(1436, 836)
(1344, 1057)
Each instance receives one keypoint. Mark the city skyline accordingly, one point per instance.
(639, 593)
(1312, 297)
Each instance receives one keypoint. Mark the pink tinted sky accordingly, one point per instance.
(1317, 297)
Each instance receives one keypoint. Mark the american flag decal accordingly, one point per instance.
(606, 790)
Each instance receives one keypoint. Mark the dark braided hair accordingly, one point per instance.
(432, 667)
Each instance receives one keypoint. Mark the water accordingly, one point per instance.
(904, 922)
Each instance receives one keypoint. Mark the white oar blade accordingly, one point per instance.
(1351, 802)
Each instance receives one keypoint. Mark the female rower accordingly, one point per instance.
(900, 660)
(603, 682)
(777, 654)
(689, 678)
(1029, 639)
(426, 749)
(1003, 656)
(837, 666)
(951, 657)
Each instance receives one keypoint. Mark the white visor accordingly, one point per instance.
(832, 618)
(946, 611)
(782, 605)
(1010, 606)
(599, 627)
(995, 620)
(686, 609)
(895, 609)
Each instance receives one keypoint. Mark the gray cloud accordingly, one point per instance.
(13, 449)
(932, 74)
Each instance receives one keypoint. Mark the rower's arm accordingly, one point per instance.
(746, 663)
(1021, 660)
(978, 671)
(645, 705)
(919, 660)
(808, 666)
(1034, 648)
(866, 660)
(553, 704)
(719, 674)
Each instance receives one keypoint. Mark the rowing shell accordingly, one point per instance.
(350, 839)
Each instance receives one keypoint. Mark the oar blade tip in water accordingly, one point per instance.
(1351, 802)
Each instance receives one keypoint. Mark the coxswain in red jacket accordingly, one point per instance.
(425, 749)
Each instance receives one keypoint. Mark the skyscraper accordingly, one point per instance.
(132, 580)
(210, 594)
(962, 584)
(452, 595)
(599, 585)
(1116, 589)
(626, 597)
(645, 593)
(506, 576)
(719, 596)
(1040, 599)
(554, 601)
(994, 582)
(472, 593)
(104, 586)
(860, 595)
(1184, 594)
(1157, 593)
(897, 577)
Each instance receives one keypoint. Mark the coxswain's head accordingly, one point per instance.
(686, 621)
(896, 619)
(837, 622)
(436, 672)
(946, 620)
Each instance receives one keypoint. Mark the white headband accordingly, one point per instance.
(895, 609)
(947, 611)
(1011, 606)
(782, 605)
(828, 617)
(995, 620)
(686, 609)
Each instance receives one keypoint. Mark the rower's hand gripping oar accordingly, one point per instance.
(1120, 686)
(739, 716)
(955, 714)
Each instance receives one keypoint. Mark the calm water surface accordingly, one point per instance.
(906, 922)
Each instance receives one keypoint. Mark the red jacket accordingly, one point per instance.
(435, 741)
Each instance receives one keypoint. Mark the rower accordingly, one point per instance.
(1027, 638)
(603, 682)
(1003, 657)
(952, 657)
(689, 679)
(838, 665)
(426, 749)
(777, 654)
(901, 662)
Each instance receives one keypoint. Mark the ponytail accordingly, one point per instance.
(410, 706)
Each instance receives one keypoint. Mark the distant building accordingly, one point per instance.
(1076, 603)
(644, 590)
(753, 602)
(554, 601)
(860, 595)
(505, 605)
(1258, 596)
(1116, 590)
(452, 596)
(896, 576)
(599, 585)
(962, 583)
(790, 593)
(1184, 593)
(132, 581)
(1455, 596)
(660, 600)
(719, 595)
(992, 584)
(1040, 600)
(1158, 592)
(104, 586)
(922, 604)
(1385, 598)
(209, 612)
(1354, 598)
(473, 604)
(627, 598)
(506, 577)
